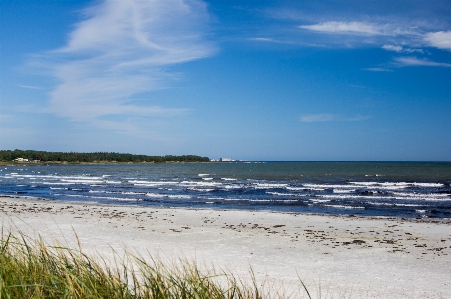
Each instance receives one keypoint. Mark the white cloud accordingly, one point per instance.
(400, 49)
(392, 48)
(307, 118)
(120, 52)
(262, 39)
(440, 39)
(414, 61)
(378, 69)
(346, 28)
(29, 86)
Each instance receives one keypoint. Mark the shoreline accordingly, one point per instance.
(406, 219)
(347, 257)
(4, 163)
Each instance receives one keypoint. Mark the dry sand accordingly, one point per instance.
(342, 257)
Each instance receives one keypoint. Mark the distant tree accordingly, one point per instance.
(73, 157)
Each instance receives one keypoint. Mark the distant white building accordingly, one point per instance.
(21, 160)
(225, 159)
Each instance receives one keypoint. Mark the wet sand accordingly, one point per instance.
(339, 256)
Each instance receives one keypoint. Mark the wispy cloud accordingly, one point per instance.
(411, 38)
(263, 39)
(29, 86)
(398, 37)
(401, 49)
(325, 117)
(378, 69)
(120, 52)
(414, 61)
(346, 28)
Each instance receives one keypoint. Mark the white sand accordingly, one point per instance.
(345, 257)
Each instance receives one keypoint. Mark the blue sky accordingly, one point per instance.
(257, 80)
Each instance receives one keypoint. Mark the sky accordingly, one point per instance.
(253, 80)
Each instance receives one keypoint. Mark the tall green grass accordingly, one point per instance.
(30, 268)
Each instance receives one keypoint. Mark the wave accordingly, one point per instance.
(344, 207)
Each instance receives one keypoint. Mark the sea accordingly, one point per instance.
(374, 189)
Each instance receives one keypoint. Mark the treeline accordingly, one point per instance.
(73, 157)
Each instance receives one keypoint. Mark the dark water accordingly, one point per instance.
(392, 189)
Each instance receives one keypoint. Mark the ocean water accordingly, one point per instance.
(386, 189)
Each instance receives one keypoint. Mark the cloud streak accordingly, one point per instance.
(401, 49)
(414, 61)
(29, 87)
(346, 28)
(120, 52)
(401, 38)
(326, 117)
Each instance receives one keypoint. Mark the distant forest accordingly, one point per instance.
(73, 157)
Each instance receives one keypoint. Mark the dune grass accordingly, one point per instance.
(31, 268)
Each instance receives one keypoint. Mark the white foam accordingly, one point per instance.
(178, 196)
(364, 183)
(57, 183)
(327, 186)
(406, 197)
(287, 194)
(190, 183)
(343, 207)
(79, 181)
(428, 184)
(405, 205)
(421, 195)
(113, 182)
(153, 194)
(172, 196)
(399, 184)
(201, 189)
(132, 193)
(261, 200)
(152, 183)
(228, 179)
(320, 200)
(383, 185)
(269, 185)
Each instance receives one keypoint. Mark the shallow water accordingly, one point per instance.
(391, 189)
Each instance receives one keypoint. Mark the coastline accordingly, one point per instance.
(346, 257)
(4, 163)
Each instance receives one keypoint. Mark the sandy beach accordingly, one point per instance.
(337, 256)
